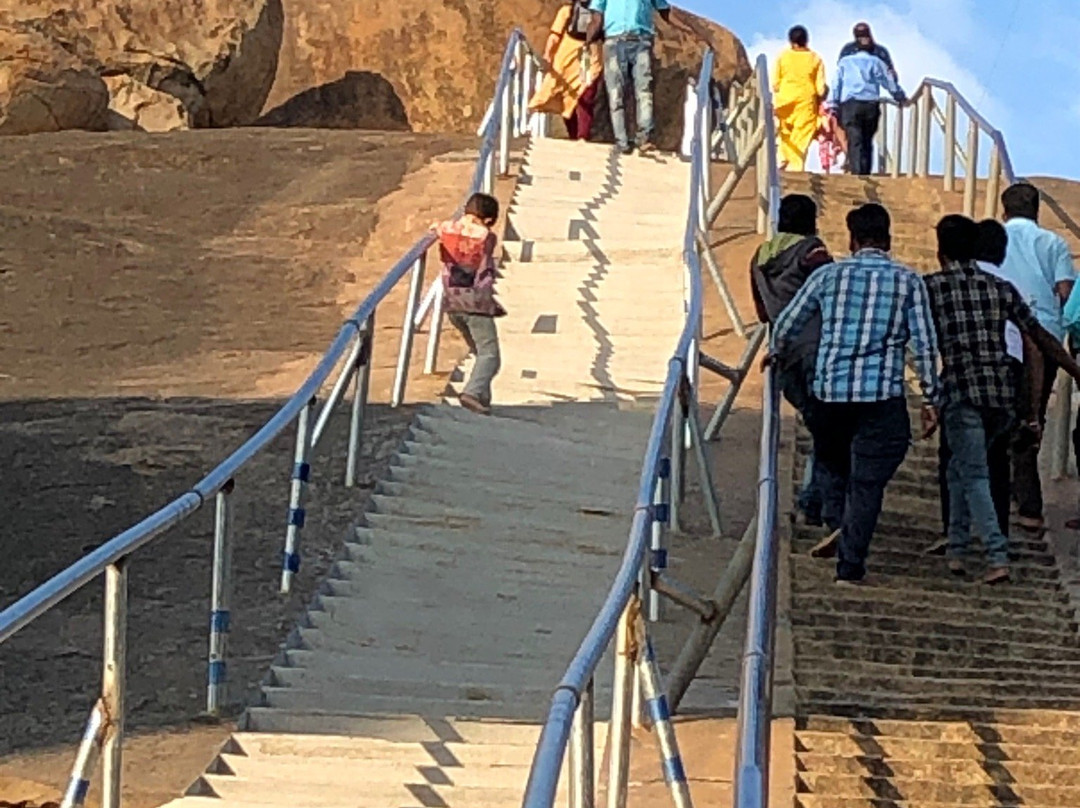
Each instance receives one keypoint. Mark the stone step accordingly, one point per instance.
(916, 541)
(964, 771)
(961, 646)
(1049, 727)
(1064, 663)
(330, 795)
(815, 749)
(811, 574)
(951, 609)
(943, 684)
(919, 791)
(926, 705)
(520, 254)
(854, 624)
(828, 801)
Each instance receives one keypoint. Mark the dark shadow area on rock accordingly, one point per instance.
(82, 470)
(358, 100)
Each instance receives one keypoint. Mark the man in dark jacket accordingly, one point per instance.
(777, 272)
(862, 32)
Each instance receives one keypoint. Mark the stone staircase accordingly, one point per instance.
(922, 689)
(421, 671)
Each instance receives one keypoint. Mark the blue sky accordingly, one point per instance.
(1017, 61)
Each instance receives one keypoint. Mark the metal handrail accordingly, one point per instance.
(751, 783)
(613, 617)
(352, 342)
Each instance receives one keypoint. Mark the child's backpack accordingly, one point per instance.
(580, 17)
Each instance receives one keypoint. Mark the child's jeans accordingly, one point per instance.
(482, 338)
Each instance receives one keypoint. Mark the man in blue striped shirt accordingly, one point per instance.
(873, 310)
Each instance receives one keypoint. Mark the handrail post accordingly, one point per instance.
(950, 142)
(434, 329)
(290, 561)
(621, 707)
(971, 169)
(881, 140)
(362, 383)
(582, 746)
(657, 561)
(220, 598)
(898, 143)
(993, 184)
(926, 112)
(913, 141)
(526, 93)
(114, 681)
(761, 176)
(416, 285)
(505, 123)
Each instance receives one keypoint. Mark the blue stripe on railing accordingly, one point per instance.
(302, 472)
(219, 621)
(218, 674)
(674, 771)
(297, 516)
(291, 562)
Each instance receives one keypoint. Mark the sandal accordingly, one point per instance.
(1073, 524)
(956, 567)
(997, 575)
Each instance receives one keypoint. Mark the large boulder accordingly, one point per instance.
(45, 88)
(217, 57)
(440, 58)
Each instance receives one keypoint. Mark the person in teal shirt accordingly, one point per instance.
(1039, 264)
(627, 29)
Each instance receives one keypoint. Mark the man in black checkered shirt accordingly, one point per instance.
(971, 309)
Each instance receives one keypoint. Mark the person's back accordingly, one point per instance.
(862, 76)
(800, 78)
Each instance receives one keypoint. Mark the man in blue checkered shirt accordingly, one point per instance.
(873, 311)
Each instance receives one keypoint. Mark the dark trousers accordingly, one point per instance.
(860, 122)
(859, 446)
(795, 379)
(1027, 487)
(999, 459)
(579, 124)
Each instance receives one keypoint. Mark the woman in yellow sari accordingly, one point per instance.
(798, 90)
(569, 89)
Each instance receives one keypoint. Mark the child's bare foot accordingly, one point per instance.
(473, 404)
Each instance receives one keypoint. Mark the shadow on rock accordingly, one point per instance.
(358, 100)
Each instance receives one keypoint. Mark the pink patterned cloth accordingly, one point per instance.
(467, 252)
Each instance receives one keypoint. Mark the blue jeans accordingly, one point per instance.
(971, 432)
(629, 60)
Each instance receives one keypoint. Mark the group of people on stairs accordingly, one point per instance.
(984, 335)
(844, 117)
(612, 39)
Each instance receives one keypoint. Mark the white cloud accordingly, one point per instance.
(910, 38)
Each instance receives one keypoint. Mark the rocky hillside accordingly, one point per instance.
(174, 64)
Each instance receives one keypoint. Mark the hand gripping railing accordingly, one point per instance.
(569, 721)
(353, 343)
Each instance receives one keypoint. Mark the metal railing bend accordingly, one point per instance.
(352, 348)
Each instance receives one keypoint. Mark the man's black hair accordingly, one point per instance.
(798, 215)
(799, 36)
(993, 242)
(869, 226)
(958, 238)
(1021, 201)
(484, 207)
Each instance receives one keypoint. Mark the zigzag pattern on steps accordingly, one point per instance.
(419, 675)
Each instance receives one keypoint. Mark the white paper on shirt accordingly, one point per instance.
(1014, 343)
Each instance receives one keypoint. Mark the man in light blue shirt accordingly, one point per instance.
(1039, 264)
(861, 77)
(628, 30)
